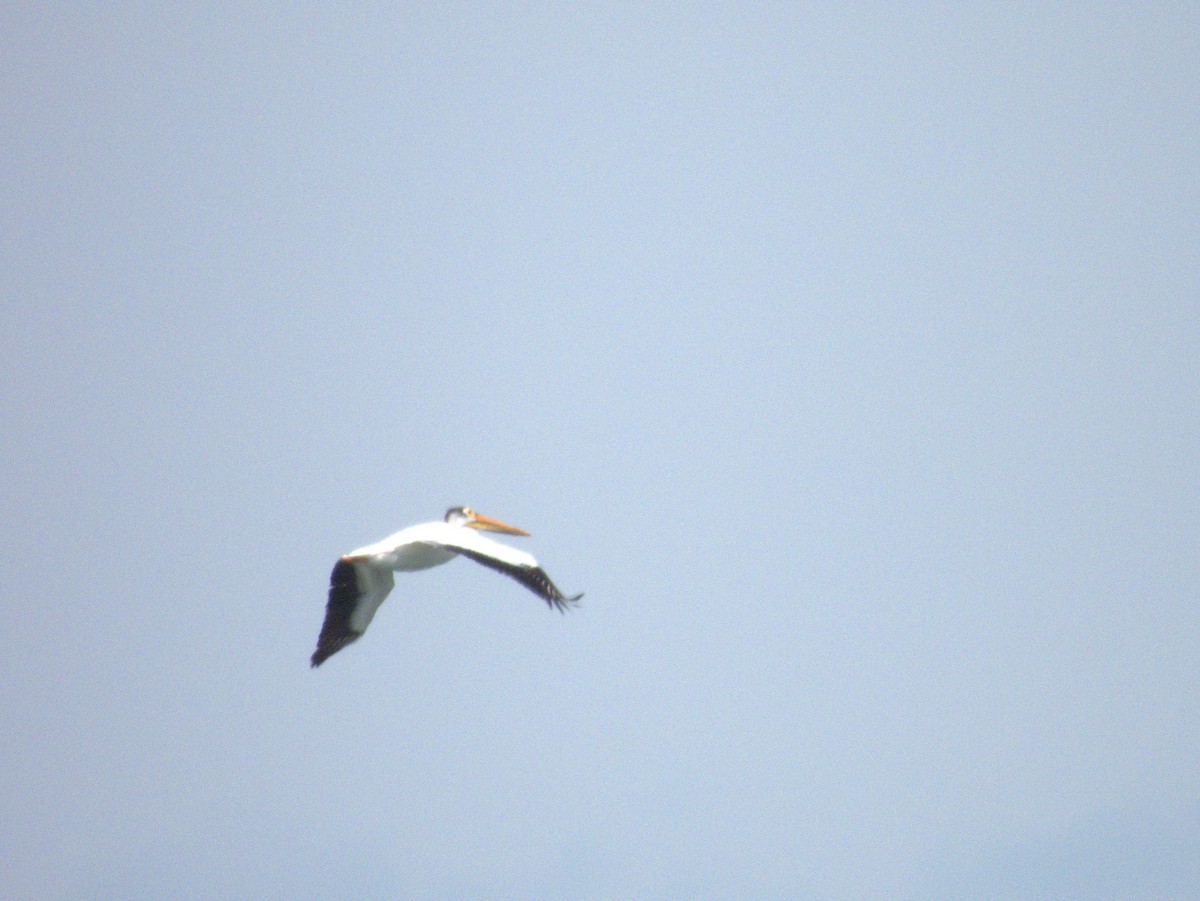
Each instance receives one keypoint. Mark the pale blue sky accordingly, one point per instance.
(847, 357)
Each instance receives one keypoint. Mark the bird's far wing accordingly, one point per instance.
(355, 592)
(512, 562)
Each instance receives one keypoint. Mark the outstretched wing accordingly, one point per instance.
(528, 573)
(355, 592)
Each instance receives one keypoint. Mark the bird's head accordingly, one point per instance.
(468, 518)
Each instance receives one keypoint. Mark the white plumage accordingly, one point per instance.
(362, 579)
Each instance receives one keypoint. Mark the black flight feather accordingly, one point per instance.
(532, 577)
(343, 598)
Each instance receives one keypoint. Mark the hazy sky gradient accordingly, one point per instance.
(847, 357)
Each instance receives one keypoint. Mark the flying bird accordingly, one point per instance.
(361, 579)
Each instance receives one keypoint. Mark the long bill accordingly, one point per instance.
(487, 524)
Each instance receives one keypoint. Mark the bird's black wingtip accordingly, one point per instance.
(563, 602)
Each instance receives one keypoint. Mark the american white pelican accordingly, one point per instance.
(362, 579)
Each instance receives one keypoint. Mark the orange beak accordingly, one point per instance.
(487, 524)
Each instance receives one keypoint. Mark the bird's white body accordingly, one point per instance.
(362, 579)
(430, 544)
